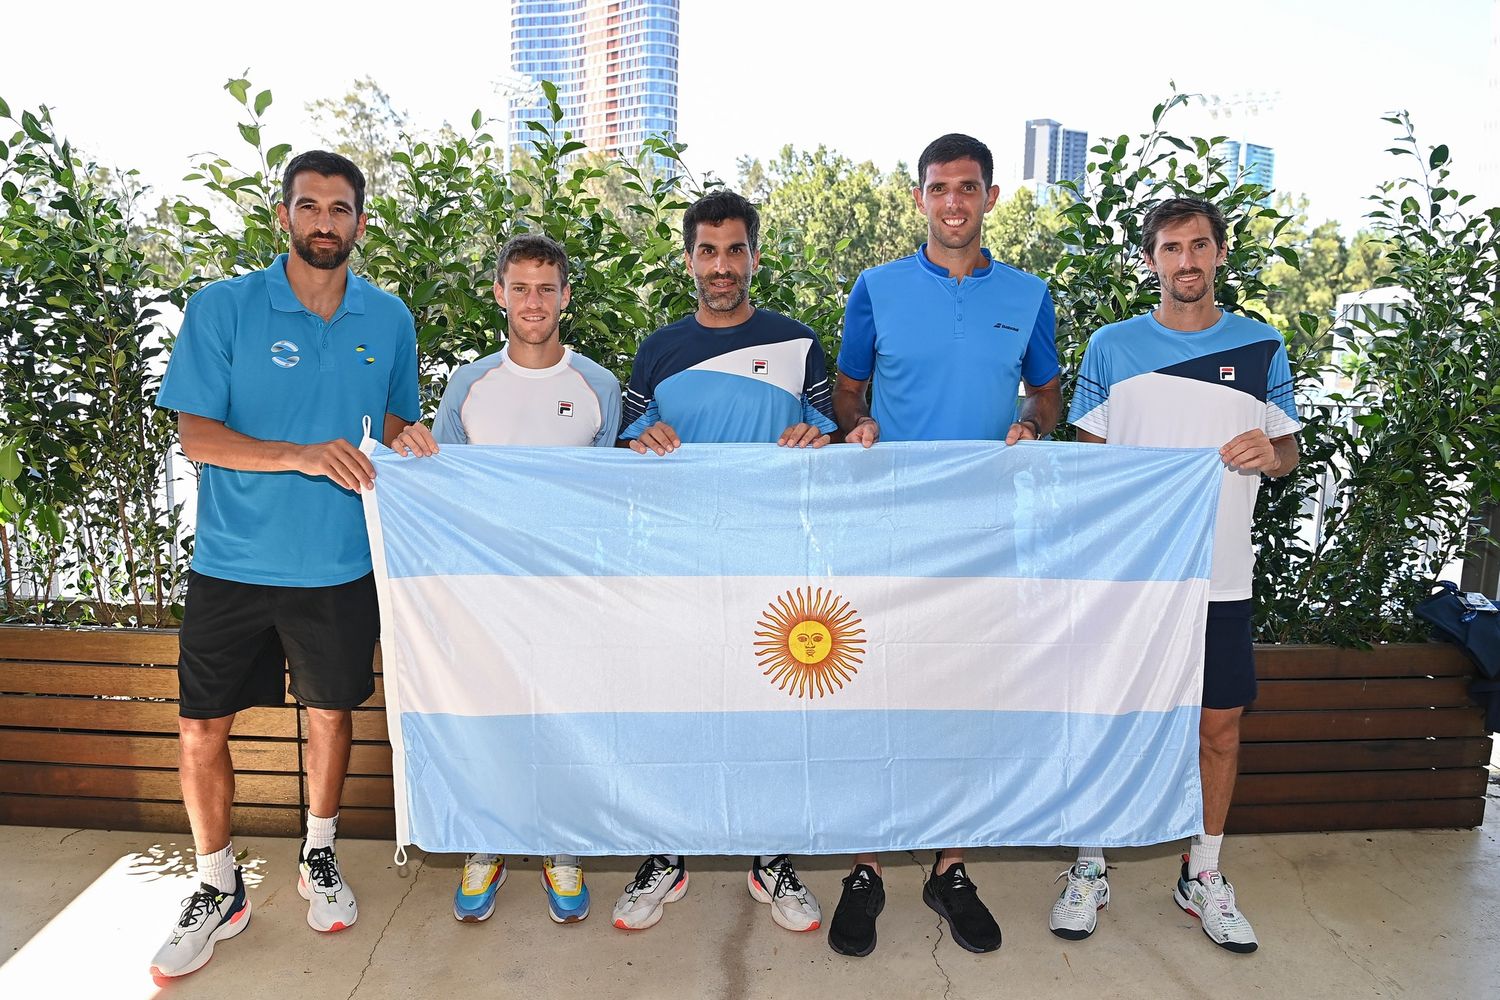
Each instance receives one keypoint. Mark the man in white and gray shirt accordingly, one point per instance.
(533, 391)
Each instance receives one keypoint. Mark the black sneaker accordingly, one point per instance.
(852, 930)
(956, 900)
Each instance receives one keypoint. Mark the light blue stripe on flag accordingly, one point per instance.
(748, 649)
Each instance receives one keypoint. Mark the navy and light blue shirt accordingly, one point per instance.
(947, 356)
(1144, 384)
(729, 384)
(251, 355)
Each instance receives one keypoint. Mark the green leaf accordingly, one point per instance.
(277, 153)
(262, 102)
(239, 89)
(1439, 157)
(10, 461)
(476, 119)
(4, 108)
(10, 499)
(250, 133)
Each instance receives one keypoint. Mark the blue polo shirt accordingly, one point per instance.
(251, 355)
(948, 356)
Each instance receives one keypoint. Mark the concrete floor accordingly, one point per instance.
(1399, 914)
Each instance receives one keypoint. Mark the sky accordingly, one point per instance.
(140, 85)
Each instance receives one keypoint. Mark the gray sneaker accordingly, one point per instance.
(208, 916)
(331, 905)
(1076, 912)
(657, 883)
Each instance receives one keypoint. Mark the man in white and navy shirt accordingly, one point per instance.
(533, 391)
(1191, 375)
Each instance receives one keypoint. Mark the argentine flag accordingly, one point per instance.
(745, 649)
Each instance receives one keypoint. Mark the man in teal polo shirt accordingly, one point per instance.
(947, 335)
(273, 376)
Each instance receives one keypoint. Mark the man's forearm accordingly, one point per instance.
(849, 403)
(1287, 456)
(212, 443)
(1042, 407)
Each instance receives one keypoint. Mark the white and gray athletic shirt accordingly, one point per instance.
(1144, 384)
(496, 401)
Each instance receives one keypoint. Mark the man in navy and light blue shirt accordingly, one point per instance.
(1190, 375)
(729, 372)
(272, 376)
(947, 335)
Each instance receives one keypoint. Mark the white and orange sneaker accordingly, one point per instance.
(208, 916)
(331, 905)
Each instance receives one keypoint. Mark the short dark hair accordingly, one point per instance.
(716, 208)
(956, 146)
(532, 246)
(320, 161)
(1175, 210)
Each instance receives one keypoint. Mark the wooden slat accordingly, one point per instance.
(363, 791)
(1293, 662)
(1377, 725)
(31, 677)
(155, 817)
(139, 751)
(1412, 815)
(1360, 786)
(136, 783)
(370, 758)
(1363, 755)
(98, 714)
(1407, 692)
(367, 824)
(97, 645)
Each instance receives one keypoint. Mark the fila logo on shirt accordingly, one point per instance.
(564, 408)
(1226, 373)
(759, 367)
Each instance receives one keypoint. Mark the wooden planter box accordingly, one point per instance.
(1339, 740)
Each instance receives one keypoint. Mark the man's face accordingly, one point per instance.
(1186, 258)
(722, 264)
(954, 199)
(533, 294)
(321, 219)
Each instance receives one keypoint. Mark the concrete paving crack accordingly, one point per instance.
(394, 910)
(947, 980)
(66, 836)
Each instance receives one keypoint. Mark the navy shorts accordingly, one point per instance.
(1228, 656)
(240, 640)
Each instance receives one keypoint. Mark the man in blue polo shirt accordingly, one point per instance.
(276, 376)
(947, 335)
(730, 372)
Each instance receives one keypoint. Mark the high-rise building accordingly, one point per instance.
(614, 63)
(1247, 163)
(1053, 153)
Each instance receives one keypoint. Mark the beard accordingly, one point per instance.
(726, 301)
(1188, 298)
(322, 258)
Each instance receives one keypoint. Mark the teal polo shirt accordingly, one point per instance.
(948, 356)
(251, 355)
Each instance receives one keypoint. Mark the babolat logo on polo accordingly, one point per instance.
(365, 354)
(284, 354)
(758, 367)
(1226, 374)
(564, 408)
(1007, 326)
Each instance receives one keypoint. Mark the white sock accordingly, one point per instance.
(565, 860)
(1203, 855)
(320, 832)
(217, 869)
(1094, 854)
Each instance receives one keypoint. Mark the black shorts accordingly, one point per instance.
(239, 640)
(1228, 656)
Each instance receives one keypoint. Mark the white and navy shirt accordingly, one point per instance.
(1144, 384)
(496, 401)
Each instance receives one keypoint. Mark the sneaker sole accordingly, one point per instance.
(1238, 947)
(759, 893)
(677, 892)
(567, 916)
(1079, 933)
(336, 926)
(936, 907)
(475, 916)
(231, 927)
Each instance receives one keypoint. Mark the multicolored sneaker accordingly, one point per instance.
(793, 905)
(208, 916)
(474, 901)
(1076, 912)
(567, 896)
(1210, 898)
(331, 905)
(658, 882)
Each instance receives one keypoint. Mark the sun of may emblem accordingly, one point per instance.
(808, 642)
